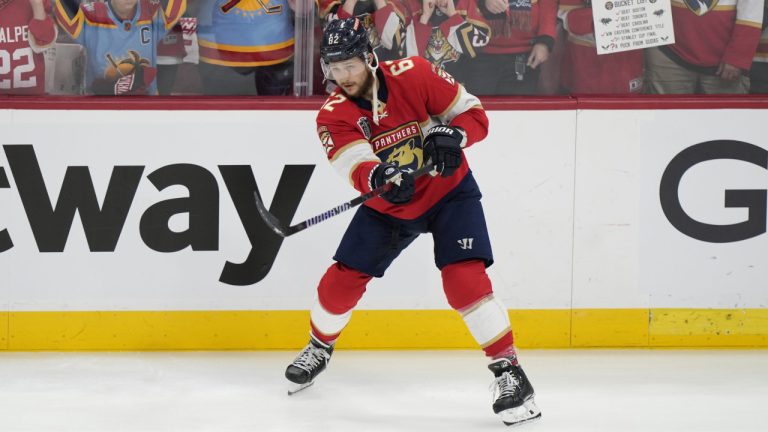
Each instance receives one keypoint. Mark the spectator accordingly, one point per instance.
(549, 76)
(120, 39)
(177, 61)
(448, 33)
(246, 46)
(522, 37)
(758, 75)
(26, 30)
(584, 71)
(715, 42)
(385, 21)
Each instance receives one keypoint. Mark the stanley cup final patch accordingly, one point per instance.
(365, 127)
(325, 139)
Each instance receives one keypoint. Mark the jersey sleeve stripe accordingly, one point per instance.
(461, 103)
(73, 25)
(173, 12)
(752, 24)
(247, 49)
(391, 31)
(350, 156)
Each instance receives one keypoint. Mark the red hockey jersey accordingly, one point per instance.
(585, 72)
(414, 96)
(22, 41)
(386, 26)
(708, 32)
(514, 31)
(762, 48)
(445, 39)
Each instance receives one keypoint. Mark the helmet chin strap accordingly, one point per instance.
(375, 89)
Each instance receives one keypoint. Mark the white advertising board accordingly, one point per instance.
(164, 202)
(631, 209)
(671, 209)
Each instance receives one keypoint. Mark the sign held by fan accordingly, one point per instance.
(624, 25)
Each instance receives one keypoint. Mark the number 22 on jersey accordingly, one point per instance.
(25, 62)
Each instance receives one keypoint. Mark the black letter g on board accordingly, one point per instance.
(752, 199)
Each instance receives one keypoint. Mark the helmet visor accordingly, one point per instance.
(342, 69)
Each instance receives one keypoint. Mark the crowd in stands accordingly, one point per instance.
(493, 47)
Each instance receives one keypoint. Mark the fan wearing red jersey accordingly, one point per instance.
(385, 21)
(585, 72)
(448, 33)
(383, 122)
(522, 37)
(26, 30)
(758, 74)
(715, 42)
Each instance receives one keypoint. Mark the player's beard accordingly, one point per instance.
(365, 87)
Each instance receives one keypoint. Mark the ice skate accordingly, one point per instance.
(312, 360)
(512, 393)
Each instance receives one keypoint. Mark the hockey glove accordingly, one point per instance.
(402, 183)
(443, 146)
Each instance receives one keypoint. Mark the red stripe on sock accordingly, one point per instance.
(324, 338)
(500, 347)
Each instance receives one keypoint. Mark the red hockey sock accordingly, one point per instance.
(468, 290)
(338, 293)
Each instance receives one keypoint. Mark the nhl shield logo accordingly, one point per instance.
(700, 7)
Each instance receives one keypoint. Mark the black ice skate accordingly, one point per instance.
(512, 393)
(308, 364)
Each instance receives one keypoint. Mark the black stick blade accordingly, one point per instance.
(272, 222)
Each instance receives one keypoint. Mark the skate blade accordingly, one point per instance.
(523, 414)
(299, 387)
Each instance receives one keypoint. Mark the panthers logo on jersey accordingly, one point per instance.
(439, 50)
(701, 7)
(401, 145)
(408, 155)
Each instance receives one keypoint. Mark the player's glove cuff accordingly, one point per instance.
(442, 146)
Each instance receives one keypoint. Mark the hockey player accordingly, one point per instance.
(382, 123)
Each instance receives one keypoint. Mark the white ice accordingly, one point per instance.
(577, 390)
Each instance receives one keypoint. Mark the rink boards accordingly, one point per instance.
(611, 226)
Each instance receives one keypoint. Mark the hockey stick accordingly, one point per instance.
(285, 231)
